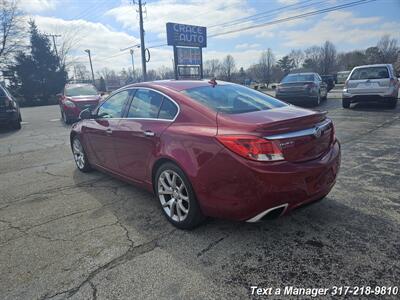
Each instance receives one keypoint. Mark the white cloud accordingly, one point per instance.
(247, 46)
(35, 6)
(104, 43)
(288, 2)
(342, 28)
(204, 13)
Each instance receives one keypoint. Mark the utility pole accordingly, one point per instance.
(142, 48)
(91, 66)
(54, 41)
(133, 65)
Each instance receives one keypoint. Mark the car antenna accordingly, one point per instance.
(213, 82)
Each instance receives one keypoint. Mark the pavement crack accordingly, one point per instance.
(210, 246)
(94, 290)
(132, 253)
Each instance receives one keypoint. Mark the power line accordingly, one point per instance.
(300, 16)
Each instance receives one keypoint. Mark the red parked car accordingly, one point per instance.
(75, 98)
(210, 149)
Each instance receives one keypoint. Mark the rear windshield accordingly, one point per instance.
(80, 90)
(370, 73)
(298, 78)
(232, 98)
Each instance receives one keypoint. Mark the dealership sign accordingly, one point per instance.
(188, 56)
(186, 35)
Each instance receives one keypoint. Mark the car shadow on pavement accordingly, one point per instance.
(324, 244)
(372, 106)
(6, 131)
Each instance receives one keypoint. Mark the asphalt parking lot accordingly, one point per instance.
(64, 234)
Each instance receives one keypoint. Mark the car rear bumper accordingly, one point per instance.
(234, 188)
(296, 98)
(376, 96)
(8, 116)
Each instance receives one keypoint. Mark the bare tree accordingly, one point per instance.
(11, 33)
(165, 73)
(388, 50)
(69, 40)
(228, 67)
(297, 56)
(81, 73)
(266, 62)
(212, 68)
(312, 61)
(328, 57)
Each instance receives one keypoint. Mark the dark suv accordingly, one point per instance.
(9, 109)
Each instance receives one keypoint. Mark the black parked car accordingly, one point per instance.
(302, 87)
(329, 80)
(9, 109)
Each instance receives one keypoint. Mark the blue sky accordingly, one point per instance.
(106, 26)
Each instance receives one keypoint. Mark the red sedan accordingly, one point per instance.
(75, 98)
(210, 149)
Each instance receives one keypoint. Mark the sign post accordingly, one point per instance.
(188, 42)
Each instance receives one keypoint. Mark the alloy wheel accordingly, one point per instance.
(173, 195)
(79, 155)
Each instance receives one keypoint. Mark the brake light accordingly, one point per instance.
(333, 133)
(252, 147)
(393, 82)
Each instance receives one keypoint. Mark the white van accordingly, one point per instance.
(371, 83)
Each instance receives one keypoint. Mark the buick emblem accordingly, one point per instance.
(317, 132)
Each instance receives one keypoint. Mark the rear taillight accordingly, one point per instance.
(333, 134)
(7, 101)
(252, 147)
(393, 82)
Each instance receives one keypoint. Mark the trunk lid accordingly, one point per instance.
(293, 87)
(300, 133)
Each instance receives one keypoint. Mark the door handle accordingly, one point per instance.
(108, 131)
(148, 133)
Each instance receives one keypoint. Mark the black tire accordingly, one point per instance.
(346, 103)
(84, 165)
(65, 118)
(392, 103)
(317, 101)
(194, 216)
(16, 124)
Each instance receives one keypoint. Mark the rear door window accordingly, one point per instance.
(370, 73)
(114, 106)
(168, 110)
(145, 104)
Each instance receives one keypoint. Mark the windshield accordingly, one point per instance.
(232, 99)
(298, 78)
(80, 90)
(370, 73)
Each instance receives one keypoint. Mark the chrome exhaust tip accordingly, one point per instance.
(276, 211)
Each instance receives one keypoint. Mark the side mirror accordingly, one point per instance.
(59, 95)
(273, 87)
(86, 114)
(102, 94)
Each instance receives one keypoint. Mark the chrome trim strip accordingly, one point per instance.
(145, 88)
(299, 133)
(265, 212)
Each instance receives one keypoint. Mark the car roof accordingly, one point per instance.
(303, 73)
(78, 84)
(177, 85)
(374, 65)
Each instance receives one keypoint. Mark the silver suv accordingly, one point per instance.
(371, 83)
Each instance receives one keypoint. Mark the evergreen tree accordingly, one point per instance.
(38, 75)
(286, 64)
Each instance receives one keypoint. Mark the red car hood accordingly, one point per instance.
(90, 98)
